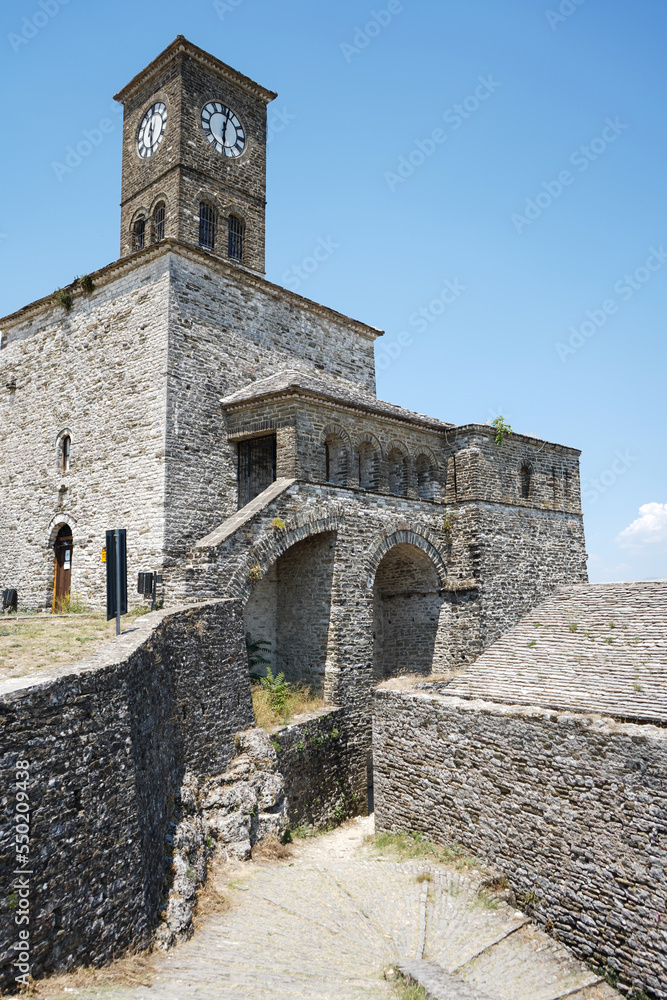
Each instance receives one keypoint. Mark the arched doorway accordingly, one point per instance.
(62, 570)
(289, 609)
(408, 604)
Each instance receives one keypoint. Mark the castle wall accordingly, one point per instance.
(98, 374)
(107, 746)
(224, 334)
(571, 808)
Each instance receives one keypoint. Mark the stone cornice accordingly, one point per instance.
(308, 395)
(181, 46)
(125, 265)
(488, 431)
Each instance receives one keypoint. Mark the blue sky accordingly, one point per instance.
(488, 177)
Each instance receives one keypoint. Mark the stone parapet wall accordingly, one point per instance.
(108, 743)
(571, 808)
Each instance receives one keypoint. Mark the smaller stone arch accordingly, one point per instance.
(370, 459)
(407, 534)
(427, 474)
(336, 446)
(398, 462)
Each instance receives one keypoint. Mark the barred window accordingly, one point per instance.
(236, 238)
(139, 233)
(207, 226)
(158, 221)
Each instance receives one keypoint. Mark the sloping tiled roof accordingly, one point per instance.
(293, 382)
(598, 648)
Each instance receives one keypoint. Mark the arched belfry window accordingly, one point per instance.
(526, 475)
(159, 215)
(207, 224)
(236, 240)
(139, 233)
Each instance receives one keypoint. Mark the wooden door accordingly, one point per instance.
(63, 567)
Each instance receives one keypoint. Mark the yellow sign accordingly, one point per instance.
(104, 553)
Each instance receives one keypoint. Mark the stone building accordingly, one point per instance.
(232, 427)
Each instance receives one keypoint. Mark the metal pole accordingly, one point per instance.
(117, 537)
(154, 594)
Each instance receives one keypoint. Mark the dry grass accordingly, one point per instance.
(271, 849)
(410, 844)
(211, 898)
(32, 643)
(132, 971)
(299, 700)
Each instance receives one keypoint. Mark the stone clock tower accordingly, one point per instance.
(194, 157)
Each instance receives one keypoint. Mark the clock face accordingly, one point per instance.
(223, 129)
(151, 129)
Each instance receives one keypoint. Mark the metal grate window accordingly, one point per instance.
(256, 467)
(139, 233)
(207, 226)
(158, 222)
(236, 238)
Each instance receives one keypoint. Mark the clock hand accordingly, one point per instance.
(224, 129)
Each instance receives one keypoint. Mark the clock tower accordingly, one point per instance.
(194, 157)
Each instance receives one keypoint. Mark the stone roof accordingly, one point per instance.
(598, 648)
(291, 382)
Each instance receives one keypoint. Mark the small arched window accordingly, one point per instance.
(368, 466)
(236, 238)
(336, 460)
(207, 224)
(159, 216)
(139, 233)
(65, 448)
(425, 478)
(398, 472)
(526, 475)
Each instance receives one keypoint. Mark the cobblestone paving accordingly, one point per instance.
(329, 923)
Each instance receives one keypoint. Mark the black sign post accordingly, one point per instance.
(116, 575)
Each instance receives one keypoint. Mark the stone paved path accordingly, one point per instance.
(329, 923)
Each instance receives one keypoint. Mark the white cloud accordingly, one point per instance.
(649, 529)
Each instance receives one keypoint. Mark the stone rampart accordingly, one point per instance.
(108, 743)
(571, 807)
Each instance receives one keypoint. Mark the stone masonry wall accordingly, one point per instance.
(323, 767)
(224, 334)
(108, 743)
(572, 808)
(97, 374)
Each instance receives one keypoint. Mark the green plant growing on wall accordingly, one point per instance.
(448, 529)
(64, 298)
(277, 689)
(278, 524)
(86, 284)
(503, 429)
(255, 574)
(256, 649)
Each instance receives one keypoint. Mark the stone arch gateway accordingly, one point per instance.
(410, 612)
